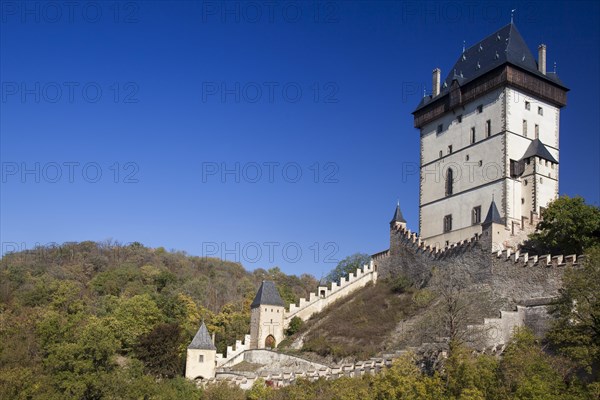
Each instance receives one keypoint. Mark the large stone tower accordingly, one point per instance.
(266, 317)
(201, 359)
(489, 130)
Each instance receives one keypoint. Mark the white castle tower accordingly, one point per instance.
(266, 317)
(490, 130)
(201, 359)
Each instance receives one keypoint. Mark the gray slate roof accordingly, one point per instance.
(202, 340)
(267, 295)
(493, 216)
(537, 148)
(503, 46)
(397, 215)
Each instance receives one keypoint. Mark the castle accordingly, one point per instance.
(489, 139)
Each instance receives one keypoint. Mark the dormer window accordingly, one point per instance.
(480, 108)
(527, 105)
(440, 128)
(540, 111)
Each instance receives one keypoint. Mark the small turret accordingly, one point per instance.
(492, 229)
(201, 356)
(493, 216)
(398, 220)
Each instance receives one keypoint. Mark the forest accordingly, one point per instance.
(110, 321)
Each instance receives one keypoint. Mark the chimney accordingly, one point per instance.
(542, 58)
(436, 82)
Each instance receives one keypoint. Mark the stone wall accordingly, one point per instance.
(327, 295)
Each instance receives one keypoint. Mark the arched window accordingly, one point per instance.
(449, 181)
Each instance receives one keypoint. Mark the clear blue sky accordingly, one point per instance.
(162, 98)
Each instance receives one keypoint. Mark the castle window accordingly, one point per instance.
(441, 154)
(540, 111)
(480, 163)
(459, 118)
(525, 127)
(541, 180)
(488, 128)
(480, 108)
(537, 131)
(476, 215)
(522, 200)
(467, 157)
(450, 149)
(449, 182)
(201, 358)
(440, 128)
(525, 182)
(448, 223)
(527, 105)
(472, 135)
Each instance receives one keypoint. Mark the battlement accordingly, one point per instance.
(412, 239)
(546, 260)
(233, 351)
(326, 295)
(310, 370)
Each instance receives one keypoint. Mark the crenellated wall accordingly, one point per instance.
(233, 351)
(303, 369)
(327, 295)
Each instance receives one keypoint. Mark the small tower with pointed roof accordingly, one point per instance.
(398, 220)
(201, 359)
(492, 228)
(266, 317)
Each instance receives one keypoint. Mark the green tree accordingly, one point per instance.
(133, 317)
(295, 325)
(471, 377)
(569, 226)
(161, 350)
(527, 372)
(577, 328)
(404, 380)
(348, 265)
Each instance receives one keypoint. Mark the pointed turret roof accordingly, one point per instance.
(505, 46)
(202, 340)
(267, 294)
(397, 215)
(493, 216)
(537, 148)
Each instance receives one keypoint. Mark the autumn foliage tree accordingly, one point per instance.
(568, 226)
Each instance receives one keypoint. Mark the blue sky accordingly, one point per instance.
(275, 134)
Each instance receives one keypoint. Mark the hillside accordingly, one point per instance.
(362, 325)
(71, 315)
